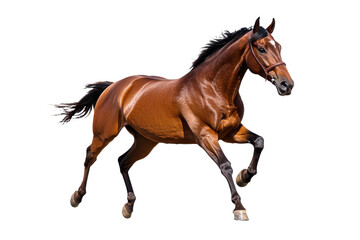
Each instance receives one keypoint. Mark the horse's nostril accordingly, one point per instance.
(284, 86)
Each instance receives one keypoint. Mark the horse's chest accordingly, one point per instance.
(230, 120)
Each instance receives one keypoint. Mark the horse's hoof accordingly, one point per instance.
(73, 201)
(126, 212)
(239, 180)
(240, 215)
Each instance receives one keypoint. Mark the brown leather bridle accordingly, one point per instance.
(268, 69)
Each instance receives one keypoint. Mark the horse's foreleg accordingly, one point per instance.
(243, 135)
(140, 149)
(208, 140)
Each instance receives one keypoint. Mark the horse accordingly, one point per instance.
(202, 107)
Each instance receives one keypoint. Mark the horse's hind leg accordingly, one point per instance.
(107, 125)
(140, 149)
(91, 154)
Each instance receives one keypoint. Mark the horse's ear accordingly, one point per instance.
(271, 27)
(256, 25)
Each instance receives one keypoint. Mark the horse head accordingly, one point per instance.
(264, 58)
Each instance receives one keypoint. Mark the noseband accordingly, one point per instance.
(268, 69)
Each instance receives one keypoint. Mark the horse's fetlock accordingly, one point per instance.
(131, 197)
(235, 198)
(81, 192)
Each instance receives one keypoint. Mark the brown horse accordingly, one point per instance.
(202, 107)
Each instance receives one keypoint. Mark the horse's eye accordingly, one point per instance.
(262, 50)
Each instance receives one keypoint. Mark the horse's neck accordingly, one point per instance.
(226, 69)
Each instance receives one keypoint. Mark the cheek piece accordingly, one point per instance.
(268, 69)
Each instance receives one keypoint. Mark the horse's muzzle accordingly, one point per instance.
(284, 87)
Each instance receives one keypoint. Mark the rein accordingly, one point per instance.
(268, 69)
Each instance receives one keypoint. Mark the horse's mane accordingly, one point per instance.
(216, 44)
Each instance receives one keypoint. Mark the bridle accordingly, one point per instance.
(268, 69)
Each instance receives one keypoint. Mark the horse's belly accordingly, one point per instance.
(166, 129)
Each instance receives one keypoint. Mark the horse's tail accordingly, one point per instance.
(83, 107)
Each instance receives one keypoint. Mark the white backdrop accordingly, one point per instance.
(308, 175)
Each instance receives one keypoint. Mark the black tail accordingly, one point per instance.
(83, 107)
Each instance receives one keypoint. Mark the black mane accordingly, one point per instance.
(226, 37)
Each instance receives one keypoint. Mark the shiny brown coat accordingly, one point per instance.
(202, 107)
